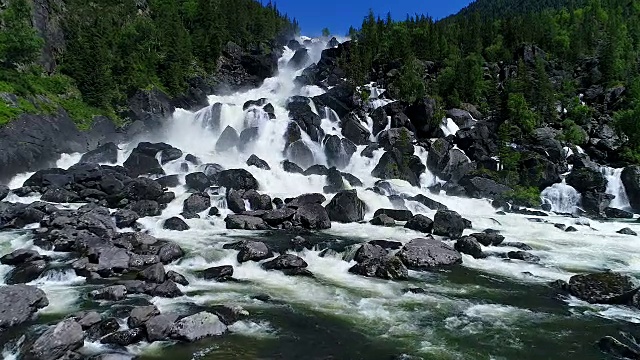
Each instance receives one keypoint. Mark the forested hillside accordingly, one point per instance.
(572, 70)
(98, 54)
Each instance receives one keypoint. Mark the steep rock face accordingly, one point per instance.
(33, 142)
(47, 19)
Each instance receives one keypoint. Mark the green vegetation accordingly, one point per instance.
(523, 196)
(116, 47)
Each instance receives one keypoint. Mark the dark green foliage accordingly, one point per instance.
(19, 42)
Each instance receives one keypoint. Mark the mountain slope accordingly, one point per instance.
(503, 8)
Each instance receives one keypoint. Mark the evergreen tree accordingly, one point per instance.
(19, 41)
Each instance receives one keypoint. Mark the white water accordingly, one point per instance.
(381, 305)
(616, 188)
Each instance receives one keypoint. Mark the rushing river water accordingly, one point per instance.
(484, 309)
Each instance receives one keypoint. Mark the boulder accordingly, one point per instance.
(159, 327)
(386, 244)
(111, 293)
(245, 222)
(4, 191)
(238, 179)
(177, 278)
(470, 246)
(316, 169)
(291, 167)
(448, 223)
(142, 189)
(488, 238)
(21, 256)
(616, 349)
(54, 343)
(353, 130)
(235, 201)
(420, 223)
(300, 154)
(369, 251)
(198, 326)
(167, 289)
(335, 181)
(154, 274)
(145, 208)
(125, 218)
(396, 165)
(387, 267)
(218, 273)
(197, 181)
(422, 115)
(462, 118)
(102, 328)
(140, 164)
(428, 202)
(585, 179)
(124, 337)
(107, 153)
(87, 319)
(300, 58)
(253, 251)
(312, 216)
(176, 224)
(603, 288)
(59, 195)
(479, 187)
(614, 213)
(314, 198)
(279, 216)
(428, 254)
(258, 201)
(398, 215)
(196, 203)
(227, 140)
(139, 315)
(594, 203)
(523, 255)
(19, 303)
(458, 166)
(26, 272)
(627, 231)
(338, 151)
(382, 220)
(257, 162)
(169, 155)
(285, 262)
(346, 207)
(631, 180)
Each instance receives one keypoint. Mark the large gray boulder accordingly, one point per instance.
(59, 339)
(18, 303)
(631, 180)
(312, 216)
(198, 326)
(346, 207)
(448, 223)
(428, 254)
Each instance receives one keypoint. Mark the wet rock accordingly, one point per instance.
(316, 170)
(196, 203)
(613, 213)
(627, 231)
(312, 216)
(489, 238)
(382, 220)
(176, 224)
(245, 222)
(278, 216)
(352, 179)
(214, 211)
(285, 262)
(145, 208)
(386, 244)
(479, 187)
(21, 256)
(338, 151)
(603, 288)
(386, 267)
(59, 195)
(517, 245)
(428, 254)
(562, 227)
(238, 179)
(586, 179)
(168, 155)
(253, 251)
(4, 192)
(258, 201)
(124, 337)
(305, 199)
(154, 273)
(346, 207)
(198, 326)
(218, 273)
(420, 223)
(470, 246)
(19, 303)
(26, 272)
(125, 218)
(141, 314)
(335, 182)
(159, 327)
(87, 319)
(235, 201)
(257, 162)
(111, 356)
(111, 260)
(107, 153)
(102, 328)
(353, 130)
(448, 223)
(167, 289)
(369, 251)
(228, 139)
(523, 255)
(429, 203)
(54, 343)
(139, 164)
(169, 181)
(229, 314)
(611, 346)
(197, 181)
(571, 229)
(111, 293)
(398, 215)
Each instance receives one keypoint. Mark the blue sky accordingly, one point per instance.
(338, 15)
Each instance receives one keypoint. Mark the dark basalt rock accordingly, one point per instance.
(59, 195)
(257, 162)
(197, 181)
(228, 139)
(125, 337)
(238, 179)
(19, 303)
(429, 203)
(586, 179)
(523, 255)
(613, 213)
(56, 341)
(346, 207)
(175, 223)
(382, 220)
(139, 164)
(627, 231)
(617, 349)
(245, 222)
(420, 223)
(285, 262)
(196, 203)
(470, 246)
(631, 180)
(107, 153)
(218, 273)
(170, 155)
(386, 244)
(448, 223)
(387, 267)
(603, 288)
(141, 314)
(112, 293)
(253, 251)
(26, 272)
(312, 216)
(428, 254)
(369, 251)
(125, 218)
(489, 238)
(21, 256)
(398, 215)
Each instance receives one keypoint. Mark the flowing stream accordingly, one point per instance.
(488, 308)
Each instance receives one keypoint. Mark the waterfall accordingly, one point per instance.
(616, 188)
(562, 197)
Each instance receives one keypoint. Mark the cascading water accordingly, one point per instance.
(616, 188)
(486, 308)
(562, 198)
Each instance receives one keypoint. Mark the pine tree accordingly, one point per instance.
(19, 41)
